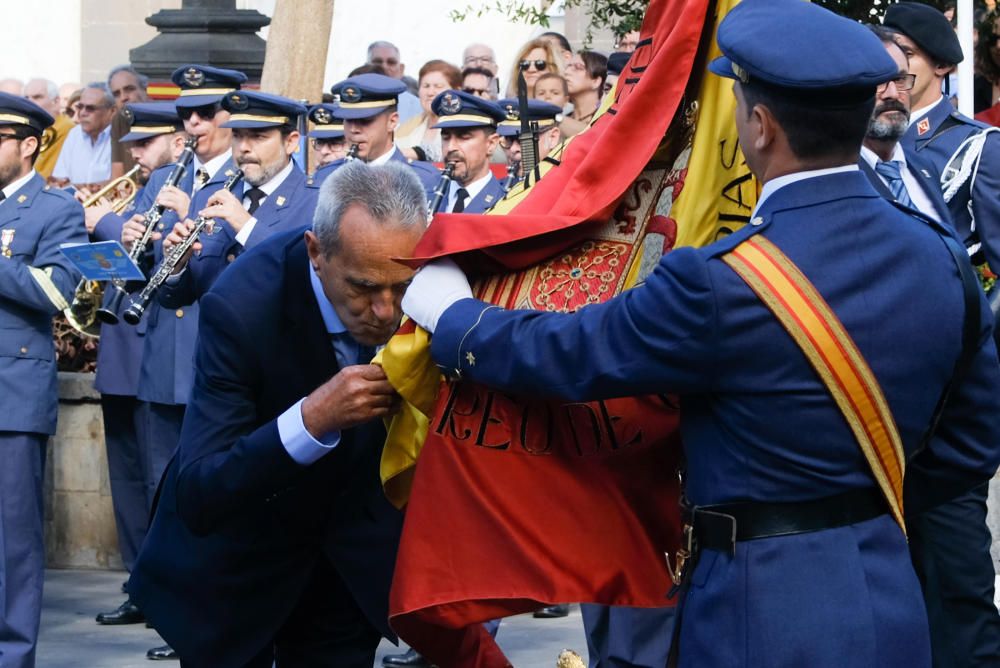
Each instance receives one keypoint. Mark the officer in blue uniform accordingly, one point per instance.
(119, 356)
(799, 562)
(950, 540)
(468, 125)
(937, 130)
(271, 198)
(167, 371)
(368, 106)
(544, 118)
(36, 282)
(327, 134)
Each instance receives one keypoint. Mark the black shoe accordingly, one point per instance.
(552, 611)
(410, 657)
(125, 587)
(127, 613)
(162, 653)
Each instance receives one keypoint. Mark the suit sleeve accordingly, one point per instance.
(965, 449)
(661, 336)
(178, 290)
(986, 200)
(109, 227)
(226, 459)
(46, 283)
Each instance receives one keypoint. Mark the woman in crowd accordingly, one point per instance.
(535, 58)
(585, 76)
(416, 137)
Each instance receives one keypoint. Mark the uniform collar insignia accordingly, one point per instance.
(21, 198)
(923, 126)
(280, 200)
(488, 198)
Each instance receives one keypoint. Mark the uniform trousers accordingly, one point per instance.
(950, 546)
(124, 419)
(160, 435)
(625, 637)
(22, 547)
(325, 630)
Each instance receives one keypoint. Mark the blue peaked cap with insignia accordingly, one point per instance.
(366, 95)
(15, 110)
(325, 124)
(801, 50)
(151, 119)
(202, 84)
(249, 109)
(545, 114)
(458, 109)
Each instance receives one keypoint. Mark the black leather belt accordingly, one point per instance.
(719, 527)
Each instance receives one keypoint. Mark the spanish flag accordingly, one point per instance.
(517, 502)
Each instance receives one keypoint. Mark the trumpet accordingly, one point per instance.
(124, 188)
(440, 190)
(170, 261)
(83, 313)
(109, 313)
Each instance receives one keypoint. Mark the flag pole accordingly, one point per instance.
(964, 14)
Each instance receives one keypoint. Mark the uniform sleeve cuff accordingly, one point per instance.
(298, 442)
(245, 231)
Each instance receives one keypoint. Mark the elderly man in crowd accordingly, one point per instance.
(386, 55)
(86, 156)
(127, 86)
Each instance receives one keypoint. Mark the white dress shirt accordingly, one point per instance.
(473, 189)
(84, 160)
(268, 188)
(774, 185)
(921, 201)
(211, 167)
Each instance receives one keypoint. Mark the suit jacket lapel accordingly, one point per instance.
(876, 181)
(276, 205)
(10, 209)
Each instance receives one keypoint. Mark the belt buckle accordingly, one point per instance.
(684, 553)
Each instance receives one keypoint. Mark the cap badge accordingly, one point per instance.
(350, 94)
(451, 104)
(238, 101)
(194, 77)
(322, 116)
(923, 126)
(512, 114)
(741, 73)
(129, 115)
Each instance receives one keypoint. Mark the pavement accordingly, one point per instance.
(70, 638)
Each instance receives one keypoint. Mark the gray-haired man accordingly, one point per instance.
(273, 539)
(85, 158)
(127, 86)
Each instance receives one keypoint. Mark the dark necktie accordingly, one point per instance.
(256, 195)
(349, 351)
(460, 196)
(890, 171)
(200, 179)
(2, 196)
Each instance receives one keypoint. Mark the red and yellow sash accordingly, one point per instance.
(829, 348)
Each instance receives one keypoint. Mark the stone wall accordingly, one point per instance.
(79, 520)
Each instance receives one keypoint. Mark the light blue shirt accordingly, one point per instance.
(298, 442)
(82, 160)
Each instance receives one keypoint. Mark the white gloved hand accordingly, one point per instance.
(434, 288)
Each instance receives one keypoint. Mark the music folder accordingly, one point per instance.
(103, 261)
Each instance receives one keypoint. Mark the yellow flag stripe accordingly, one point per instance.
(830, 350)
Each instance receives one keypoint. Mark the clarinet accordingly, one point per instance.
(352, 153)
(440, 190)
(511, 177)
(109, 314)
(170, 261)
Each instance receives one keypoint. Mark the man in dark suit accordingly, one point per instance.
(949, 539)
(273, 540)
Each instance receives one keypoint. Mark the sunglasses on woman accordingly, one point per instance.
(540, 65)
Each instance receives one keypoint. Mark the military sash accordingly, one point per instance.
(829, 348)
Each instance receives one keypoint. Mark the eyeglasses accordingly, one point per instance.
(483, 60)
(91, 108)
(11, 136)
(903, 82)
(325, 142)
(205, 112)
(391, 62)
(479, 92)
(540, 65)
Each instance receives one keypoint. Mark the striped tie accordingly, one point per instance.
(890, 171)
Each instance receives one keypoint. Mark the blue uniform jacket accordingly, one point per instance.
(167, 369)
(491, 193)
(240, 525)
(428, 174)
(289, 207)
(36, 282)
(926, 175)
(759, 425)
(947, 130)
(119, 352)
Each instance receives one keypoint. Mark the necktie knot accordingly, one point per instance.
(2, 196)
(460, 196)
(255, 195)
(200, 178)
(891, 171)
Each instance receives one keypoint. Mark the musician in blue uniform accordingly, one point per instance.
(327, 134)
(271, 198)
(468, 125)
(368, 107)
(544, 118)
(36, 282)
(937, 131)
(799, 554)
(950, 540)
(155, 138)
